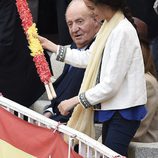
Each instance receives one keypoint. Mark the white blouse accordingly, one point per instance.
(122, 81)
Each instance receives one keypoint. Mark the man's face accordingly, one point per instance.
(82, 26)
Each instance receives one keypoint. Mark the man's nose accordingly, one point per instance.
(75, 28)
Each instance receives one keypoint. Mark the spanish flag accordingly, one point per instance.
(20, 139)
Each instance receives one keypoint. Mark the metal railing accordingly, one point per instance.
(88, 147)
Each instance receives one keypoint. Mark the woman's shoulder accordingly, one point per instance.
(151, 79)
(151, 84)
(125, 28)
(125, 24)
(126, 33)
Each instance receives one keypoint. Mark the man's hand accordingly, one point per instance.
(47, 114)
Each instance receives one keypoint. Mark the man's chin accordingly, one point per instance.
(79, 41)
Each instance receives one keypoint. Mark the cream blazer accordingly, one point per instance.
(122, 81)
(148, 130)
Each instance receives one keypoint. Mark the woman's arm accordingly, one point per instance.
(47, 44)
(74, 57)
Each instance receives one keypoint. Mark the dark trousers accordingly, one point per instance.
(118, 132)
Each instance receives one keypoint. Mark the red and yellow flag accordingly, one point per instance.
(20, 139)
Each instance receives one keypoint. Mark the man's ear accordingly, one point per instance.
(97, 24)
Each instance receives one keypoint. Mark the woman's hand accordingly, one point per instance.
(47, 44)
(66, 105)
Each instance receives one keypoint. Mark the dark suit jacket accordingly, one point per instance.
(66, 87)
(18, 77)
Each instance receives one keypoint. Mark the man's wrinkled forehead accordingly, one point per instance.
(77, 6)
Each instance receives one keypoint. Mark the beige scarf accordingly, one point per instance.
(82, 119)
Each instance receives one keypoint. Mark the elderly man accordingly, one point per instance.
(83, 28)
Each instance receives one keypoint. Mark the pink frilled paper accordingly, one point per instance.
(35, 47)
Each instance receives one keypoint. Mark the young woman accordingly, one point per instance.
(114, 81)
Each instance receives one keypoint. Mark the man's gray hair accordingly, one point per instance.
(72, 1)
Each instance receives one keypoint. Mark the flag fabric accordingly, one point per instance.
(20, 139)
